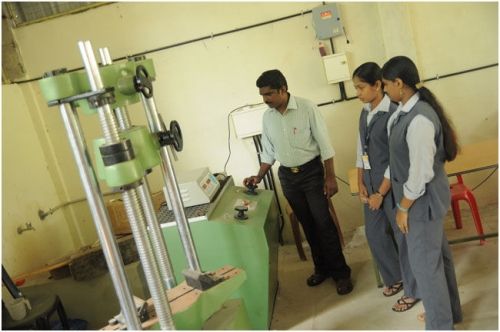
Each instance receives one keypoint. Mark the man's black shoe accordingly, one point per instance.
(315, 279)
(344, 286)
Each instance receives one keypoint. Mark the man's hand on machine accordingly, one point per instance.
(251, 181)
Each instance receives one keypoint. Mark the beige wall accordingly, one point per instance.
(198, 84)
(28, 186)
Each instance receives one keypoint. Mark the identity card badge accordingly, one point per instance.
(366, 162)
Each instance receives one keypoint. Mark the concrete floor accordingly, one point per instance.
(300, 307)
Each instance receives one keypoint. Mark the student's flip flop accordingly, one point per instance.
(404, 304)
(393, 290)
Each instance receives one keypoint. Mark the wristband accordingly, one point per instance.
(400, 208)
(378, 192)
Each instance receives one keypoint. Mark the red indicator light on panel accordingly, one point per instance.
(327, 14)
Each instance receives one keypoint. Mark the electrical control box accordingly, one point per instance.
(248, 121)
(196, 187)
(336, 68)
(326, 21)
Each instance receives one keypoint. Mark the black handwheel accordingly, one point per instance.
(142, 82)
(176, 135)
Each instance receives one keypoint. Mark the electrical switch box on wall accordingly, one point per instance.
(326, 21)
(336, 68)
(248, 121)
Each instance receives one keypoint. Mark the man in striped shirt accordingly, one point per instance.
(295, 134)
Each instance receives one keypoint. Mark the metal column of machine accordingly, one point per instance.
(122, 170)
(123, 157)
(100, 217)
(194, 275)
(115, 151)
(159, 247)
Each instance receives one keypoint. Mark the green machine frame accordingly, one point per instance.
(125, 156)
(250, 244)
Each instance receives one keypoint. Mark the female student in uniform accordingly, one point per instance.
(421, 139)
(372, 161)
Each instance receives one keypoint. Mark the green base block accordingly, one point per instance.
(232, 316)
(208, 303)
(251, 245)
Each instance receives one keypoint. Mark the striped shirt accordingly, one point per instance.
(296, 136)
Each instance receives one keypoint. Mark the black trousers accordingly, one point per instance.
(304, 192)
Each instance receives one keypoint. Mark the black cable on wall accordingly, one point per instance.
(437, 77)
(189, 41)
(343, 94)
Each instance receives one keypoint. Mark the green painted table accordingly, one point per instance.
(251, 245)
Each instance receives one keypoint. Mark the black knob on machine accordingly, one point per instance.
(241, 212)
(251, 189)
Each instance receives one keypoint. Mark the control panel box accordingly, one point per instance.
(248, 121)
(196, 187)
(326, 21)
(336, 68)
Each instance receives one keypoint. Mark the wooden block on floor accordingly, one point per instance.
(118, 215)
(91, 263)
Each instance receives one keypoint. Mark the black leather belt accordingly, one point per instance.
(303, 167)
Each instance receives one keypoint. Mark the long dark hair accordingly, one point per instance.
(403, 68)
(369, 72)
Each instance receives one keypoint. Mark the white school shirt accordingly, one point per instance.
(422, 149)
(383, 106)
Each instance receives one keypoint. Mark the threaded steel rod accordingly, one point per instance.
(156, 237)
(106, 118)
(151, 272)
(173, 192)
(100, 217)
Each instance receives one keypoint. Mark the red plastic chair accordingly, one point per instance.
(459, 191)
